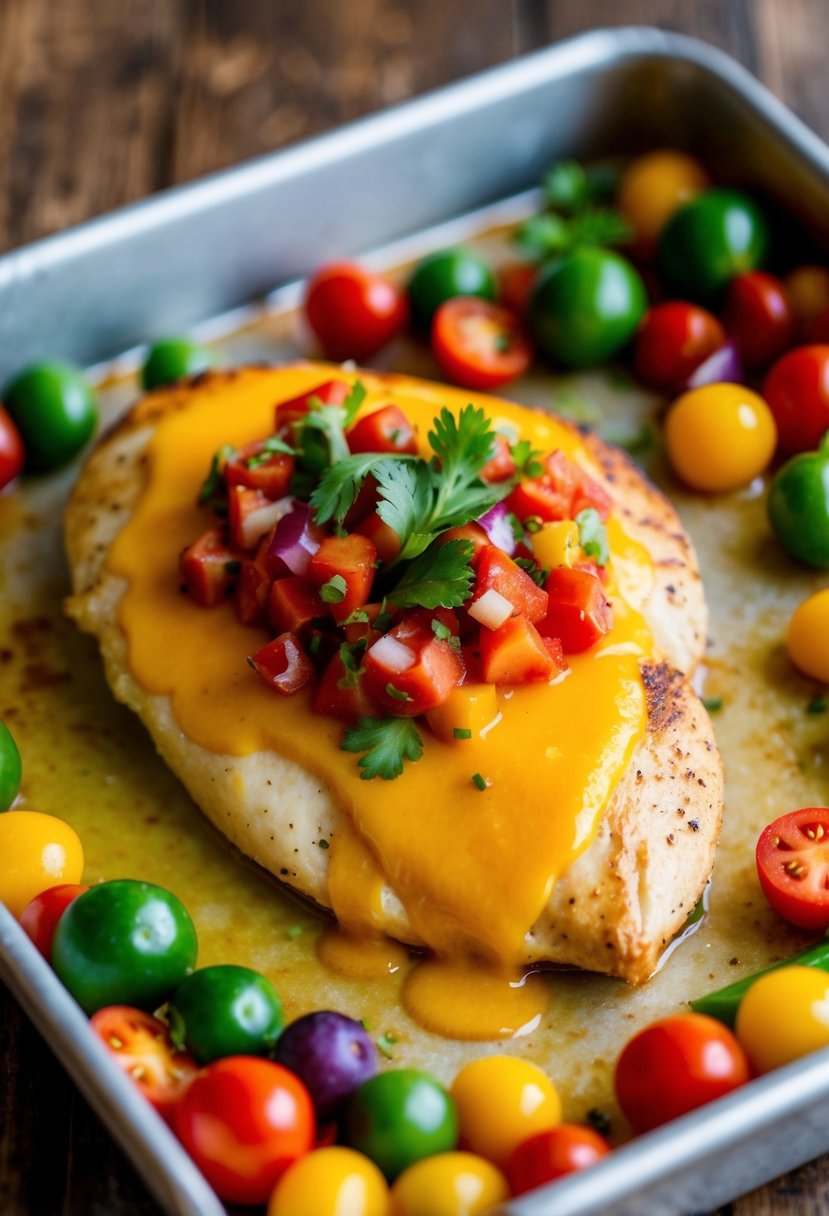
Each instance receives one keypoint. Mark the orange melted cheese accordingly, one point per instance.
(473, 869)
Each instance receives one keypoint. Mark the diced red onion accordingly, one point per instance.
(497, 527)
(255, 525)
(392, 655)
(723, 367)
(491, 609)
(295, 541)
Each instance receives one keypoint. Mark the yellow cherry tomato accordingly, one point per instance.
(783, 1016)
(807, 290)
(450, 1184)
(720, 437)
(807, 637)
(38, 851)
(502, 1100)
(331, 1182)
(653, 187)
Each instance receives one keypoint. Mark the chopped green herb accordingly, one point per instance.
(531, 567)
(517, 527)
(350, 655)
(270, 447)
(461, 732)
(479, 781)
(333, 592)
(566, 187)
(314, 644)
(713, 704)
(593, 536)
(527, 462)
(386, 742)
(385, 1042)
(397, 693)
(321, 440)
(818, 706)
(442, 632)
(213, 483)
(543, 236)
(358, 617)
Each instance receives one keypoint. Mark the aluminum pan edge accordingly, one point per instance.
(195, 250)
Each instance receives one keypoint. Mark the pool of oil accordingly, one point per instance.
(89, 761)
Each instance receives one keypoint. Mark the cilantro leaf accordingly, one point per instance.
(321, 441)
(270, 447)
(593, 535)
(340, 484)
(213, 483)
(441, 577)
(600, 226)
(566, 186)
(543, 236)
(405, 490)
(386, 742)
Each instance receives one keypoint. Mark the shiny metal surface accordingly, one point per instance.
(205, 249)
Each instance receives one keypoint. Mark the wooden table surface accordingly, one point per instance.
(103, 103)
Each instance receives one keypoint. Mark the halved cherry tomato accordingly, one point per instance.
(497, 572)
(343, 569)
(672, 341)
(515, 653)
(353, 311)
(552, 1154)
(797, 392)
(209, 568)
(244, 1121)
(793, 866)
(141, 1046)
(12, 453)
(332, 392)
(676, 1065)
(758, 317)
(385, 430)
(283, 665)
(253, 466)
(40, 917)
(477, 344)
(579, 612)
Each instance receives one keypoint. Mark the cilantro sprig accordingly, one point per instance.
(575, 213)
(440, 577)
(386, 743)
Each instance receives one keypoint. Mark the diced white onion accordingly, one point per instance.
(255, 525)
(492, 609)
(392, 655)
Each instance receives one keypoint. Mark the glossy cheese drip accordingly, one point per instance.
(473, 869)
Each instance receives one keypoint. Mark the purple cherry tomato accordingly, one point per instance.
(331, 1053)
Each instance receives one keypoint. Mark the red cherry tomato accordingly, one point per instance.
(385, 430)
(352, 311)
(244, 1120)
(758, 317)
(797, 392)
(40, 917)
(515, 284)
(141, 1046)
(793, 866)
(12, 454)
(477, 344)
(673, 340)
(676, 1065)
(552, 1154)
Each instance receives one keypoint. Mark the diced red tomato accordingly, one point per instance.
(477, 344)
(579, 613)
(500, 465)
(561, 492)
(293, 603)
(497, 572)
(141, 1046)
(270, 473)
(283, 665)
(40, 917)
(332, 392)
(340, 695)
(352, 558)
(435, 669)
(385, 539)
(253, 587)
(515, 283)
(250, 515)
(385, 430)
(515, 653)
(209, 568)
(471, 532)
(419, 623)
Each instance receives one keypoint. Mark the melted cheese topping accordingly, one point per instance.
(473, 869)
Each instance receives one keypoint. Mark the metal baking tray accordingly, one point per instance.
(200, 252)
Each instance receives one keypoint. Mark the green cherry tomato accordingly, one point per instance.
(54, 409)
(124, 943)
(10, 768)
(443, 275)
(171, 359)
(716, 236)
(798, 506)
(225, 1011)
(399, 1117)
(585, 306)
